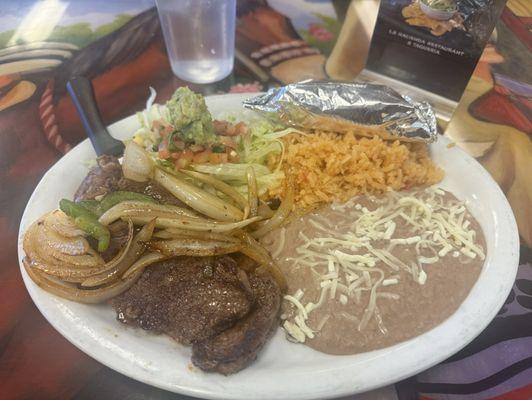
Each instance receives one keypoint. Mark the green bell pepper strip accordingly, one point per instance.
(87, 222)
(91, 205)
(113, 198)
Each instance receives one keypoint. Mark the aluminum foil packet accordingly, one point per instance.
(366, 109)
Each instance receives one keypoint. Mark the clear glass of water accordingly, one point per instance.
(200, 37)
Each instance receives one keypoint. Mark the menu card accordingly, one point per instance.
(432, 44)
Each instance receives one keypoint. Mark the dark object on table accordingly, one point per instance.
(436, 56)
(224, 313)
(80, 90)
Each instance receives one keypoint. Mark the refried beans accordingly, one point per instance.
(401, 251)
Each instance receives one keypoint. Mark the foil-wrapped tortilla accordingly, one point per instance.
(363, 108)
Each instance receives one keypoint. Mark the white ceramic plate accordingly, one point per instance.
(283, 370)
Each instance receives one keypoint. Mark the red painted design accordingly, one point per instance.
(518, 394)
(49, 121)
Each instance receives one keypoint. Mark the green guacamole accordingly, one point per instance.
(189, 116)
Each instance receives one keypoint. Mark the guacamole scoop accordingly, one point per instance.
(188, 114)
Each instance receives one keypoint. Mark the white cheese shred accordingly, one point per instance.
(297, 303)
(280, 247)
(388, 282)
(353, 260)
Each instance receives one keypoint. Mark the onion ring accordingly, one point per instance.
(134, 251)
(69, 292)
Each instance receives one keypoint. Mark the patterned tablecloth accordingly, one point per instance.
(119, 46)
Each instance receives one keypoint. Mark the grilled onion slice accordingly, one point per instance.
(195, 224)
(194, 247)
(144, 261)
(198, 199)
(279, 216)
(134, 251)
(70, 292)
(130, 208)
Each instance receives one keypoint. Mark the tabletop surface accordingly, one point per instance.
(119, 46)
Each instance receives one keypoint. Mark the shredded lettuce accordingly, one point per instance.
(235, 175)
(187, 113)
(255, 149)
(146, 136)
(231, 172)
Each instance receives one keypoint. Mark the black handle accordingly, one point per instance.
(80, 90)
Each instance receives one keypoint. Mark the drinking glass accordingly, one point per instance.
(199, 37)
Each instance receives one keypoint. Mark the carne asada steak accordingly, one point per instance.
(208, 302)
(107, 177)
(188, 298)
(236, 347)
(101, 179)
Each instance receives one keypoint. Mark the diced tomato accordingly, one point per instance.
(179, 144)
(241, 128)
(233, 156)
(196, 148)
(187, 154)
(181, 163)
(227, 141)
(166, 130)
(219, 126)
(184, 160)
(217, 158)
(231, 130)
(225, 128)
(202, 157)
(164, 154)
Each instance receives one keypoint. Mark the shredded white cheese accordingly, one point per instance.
(422, 277)
(298, 304)
(428, 260)
(388, 282)
(354, 260)
(300, 322)
(294, 331)
(322, 323)
(280, 247)
(343, 299)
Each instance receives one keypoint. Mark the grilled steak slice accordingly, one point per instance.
(107, 177)
(238, 346)
(101, 179)
(190, 299)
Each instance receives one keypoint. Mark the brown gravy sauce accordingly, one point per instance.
(419, 307)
